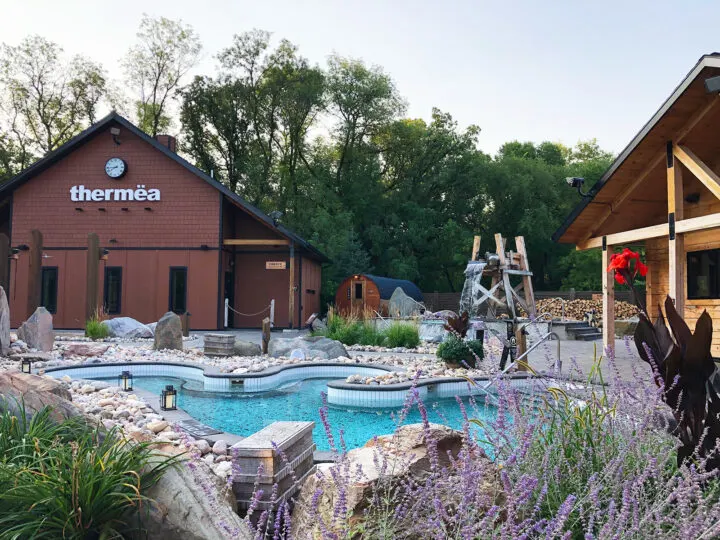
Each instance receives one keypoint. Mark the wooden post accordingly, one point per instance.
(291, 303)
(5, 263)
(476, 248)
(92, 279)
(608, 292)
(521, 341)
(265, 334)
(676, 241)
(35, 272)
(527, 280)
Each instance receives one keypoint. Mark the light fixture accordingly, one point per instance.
(115, 132)
(204, 247)
(125, 209)
(712, 85)
(104, 254)
(113, 241)
(577, 183)
(125, 381)
(14, 253)
(26, 366)
(101, 209)
(168, 398)
(692, 198)
(24, 247)
(275, 215)
(148, 209)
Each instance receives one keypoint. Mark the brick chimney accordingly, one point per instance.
(168, 141)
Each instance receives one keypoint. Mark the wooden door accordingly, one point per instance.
(357, 295)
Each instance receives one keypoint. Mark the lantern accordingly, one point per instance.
(26, 366)
(125, 381)
(168, 399)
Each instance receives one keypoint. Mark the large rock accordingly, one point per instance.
(168, 332)
(4, 324)
(311, 346)
(127, 328)
(401, 305)
(403, 455)
(37, 331)
(191, 503)
(35, 393)
(246, 348)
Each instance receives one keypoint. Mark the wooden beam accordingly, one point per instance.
(35, 272)
(696, 166)
(608, 293)
(710, 221)
(476, 248)
(255, 242)
(291, 302)
(679, 136)
(526, 280)
(676, 240)
(500, 248)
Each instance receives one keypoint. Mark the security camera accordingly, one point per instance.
(575, 182)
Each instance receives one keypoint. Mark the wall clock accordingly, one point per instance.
(115, 167)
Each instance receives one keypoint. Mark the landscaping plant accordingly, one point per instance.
(69, 480)
(94, 327)
(354, 330)
(456, 351)
(402, 334)
(682, 366)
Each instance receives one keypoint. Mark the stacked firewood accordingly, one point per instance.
(576, 309)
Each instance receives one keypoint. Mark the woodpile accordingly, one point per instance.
(576, 309)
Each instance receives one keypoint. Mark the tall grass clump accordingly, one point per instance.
(94, 327)
(69, 480)
(402, 334)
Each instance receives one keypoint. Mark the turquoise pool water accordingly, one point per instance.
(245, 413)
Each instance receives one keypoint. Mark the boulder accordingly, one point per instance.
(192, 503)
(4, 324)
(219, 448)
(168, 332)
(36, 393)
(37, 331)
(127, 328)
(312, 346)
(85, 349)
(404, 455)
(626, 327)
(318, 325)
(246, 348)
(401, 305)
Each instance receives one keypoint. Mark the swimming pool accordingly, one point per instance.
(244, 413)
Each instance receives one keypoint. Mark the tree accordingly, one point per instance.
(44, 99)
(155, 66)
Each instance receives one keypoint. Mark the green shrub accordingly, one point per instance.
(69, 480)
(95, 329)
(401, 334)
(456, 351)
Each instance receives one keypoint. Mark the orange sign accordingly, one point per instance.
(275, 265)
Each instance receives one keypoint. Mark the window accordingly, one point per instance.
(703, 274)
(113, 289)
(49, 288)
(178, 289)
(358, 291)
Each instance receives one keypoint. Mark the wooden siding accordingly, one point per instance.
(658, 283)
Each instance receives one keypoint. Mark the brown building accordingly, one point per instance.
(663, 193)
(174, 238)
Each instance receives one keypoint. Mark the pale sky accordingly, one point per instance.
(526, 70)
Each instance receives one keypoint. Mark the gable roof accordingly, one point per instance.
(653, 136)
(387, 287)
(81, 138)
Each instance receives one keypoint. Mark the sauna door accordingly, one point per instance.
(357, 295)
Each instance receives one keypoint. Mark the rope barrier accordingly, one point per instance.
(248, 314)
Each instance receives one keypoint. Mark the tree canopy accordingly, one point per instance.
(328, 146)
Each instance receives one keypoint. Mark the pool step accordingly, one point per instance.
(582, 331)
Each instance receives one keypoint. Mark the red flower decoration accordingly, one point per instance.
(626, 266)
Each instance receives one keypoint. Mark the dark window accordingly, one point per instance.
(178, 289)
(113, 289)
(358, 291)
(49, 288)
(703, 274)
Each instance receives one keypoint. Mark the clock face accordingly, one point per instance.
(115, 167)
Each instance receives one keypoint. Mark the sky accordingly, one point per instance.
(521, 70)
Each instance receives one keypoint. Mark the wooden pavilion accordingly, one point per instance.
(663, 191)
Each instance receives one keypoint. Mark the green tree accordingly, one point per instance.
(155, 66)
(45, 99)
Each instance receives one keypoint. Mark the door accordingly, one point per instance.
(357, 295)
(230, 296)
